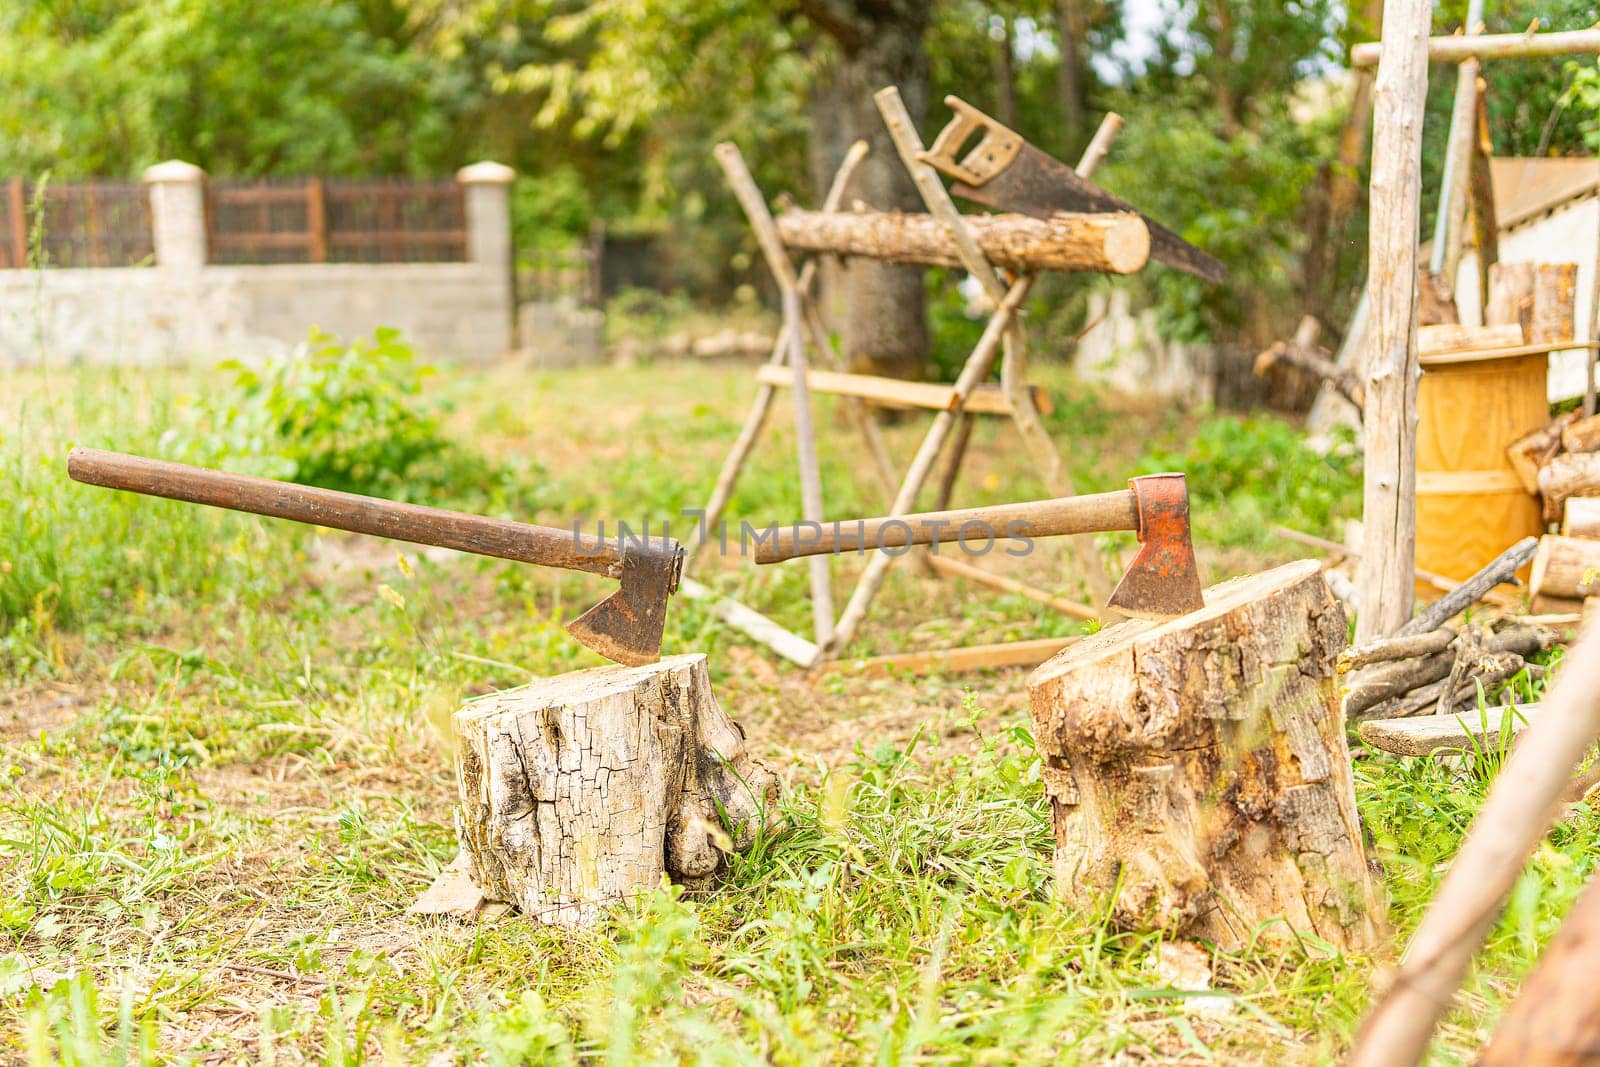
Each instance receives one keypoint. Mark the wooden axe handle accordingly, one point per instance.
(346, 511)
(1094, 513)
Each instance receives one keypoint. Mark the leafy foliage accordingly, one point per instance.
(1247, 473)
(352, 418)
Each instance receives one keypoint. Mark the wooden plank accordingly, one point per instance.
(986, 399)
(753, 624)
(955, 568)
(1428, 735)
(1447, 338)
(954, 660)
(1486, 354)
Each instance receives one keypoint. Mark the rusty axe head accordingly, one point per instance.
(626, 626)
(1163, 581)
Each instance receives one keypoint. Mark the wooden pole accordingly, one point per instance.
(1594, 324)
(317, 219)
(1457, 162)
(757, 418)
(1485, 224)
(1454, 49)
(1512, 821)
(1389, 423)
(1110, 126)
(19, 223)
(1555, 1020)
(810, 473)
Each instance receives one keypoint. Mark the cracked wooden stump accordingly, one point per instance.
(581, 790)
(1198, 772)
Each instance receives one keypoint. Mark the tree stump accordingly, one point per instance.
(583, 789)
(1198, 772)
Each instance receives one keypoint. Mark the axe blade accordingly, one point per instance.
(1163, 581)
(626, 626)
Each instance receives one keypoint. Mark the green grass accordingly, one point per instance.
(222, 782)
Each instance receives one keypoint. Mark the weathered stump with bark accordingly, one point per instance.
(1198, 771)
(583, 789)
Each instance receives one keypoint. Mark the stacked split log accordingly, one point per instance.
(1560, 463)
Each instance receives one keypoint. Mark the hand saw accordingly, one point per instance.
(1005, 172)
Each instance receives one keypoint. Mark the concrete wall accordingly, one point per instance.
(150, 316)
(1126, 352)
(1570, 234)
(184, 310)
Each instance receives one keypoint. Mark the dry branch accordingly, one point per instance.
(1500, 569)
(1493, 46)
(1303, 353)
(1112, 244)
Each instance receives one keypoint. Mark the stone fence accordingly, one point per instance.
(186, 308)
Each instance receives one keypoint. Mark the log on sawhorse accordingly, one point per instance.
(955, 406)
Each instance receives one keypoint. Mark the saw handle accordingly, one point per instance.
(346, 511)
(993, 153)
(1095, 513)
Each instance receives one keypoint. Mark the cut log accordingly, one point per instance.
(1566, 567)
(1448, 339)
(1534, 449)
(1581, 518)
(1198, 773)
(1111, 244)
(1581, 435)
(1568, 475)
(1427, 735)
(1510, 295)
(1555, 292)
(582, 790)
(1555, 1020)
(1555, 607)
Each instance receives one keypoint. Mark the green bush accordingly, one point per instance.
(1248, 473)
(352, 418)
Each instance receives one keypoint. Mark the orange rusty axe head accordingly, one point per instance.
(1163, 580)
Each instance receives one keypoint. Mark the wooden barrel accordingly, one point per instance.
(1470, 505)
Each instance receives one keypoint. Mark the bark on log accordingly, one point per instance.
(1566, 567)
(1555, 293)
(1533, 450)
(1198, 772)
(1582, 518)
(1581, 435)
(1112, 244)
(1555, 1020)
(581, 790)
(1568, 475)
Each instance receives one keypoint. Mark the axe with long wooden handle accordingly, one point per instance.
(626, 626)
(1161, 582)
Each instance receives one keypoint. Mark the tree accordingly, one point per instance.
(876, 43)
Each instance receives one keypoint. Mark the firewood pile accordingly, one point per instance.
(1560, 463)
(1437, 666)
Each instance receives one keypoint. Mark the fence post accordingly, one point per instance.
(486, 190)
(19, 223)
(317, 219)
(178, 213)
